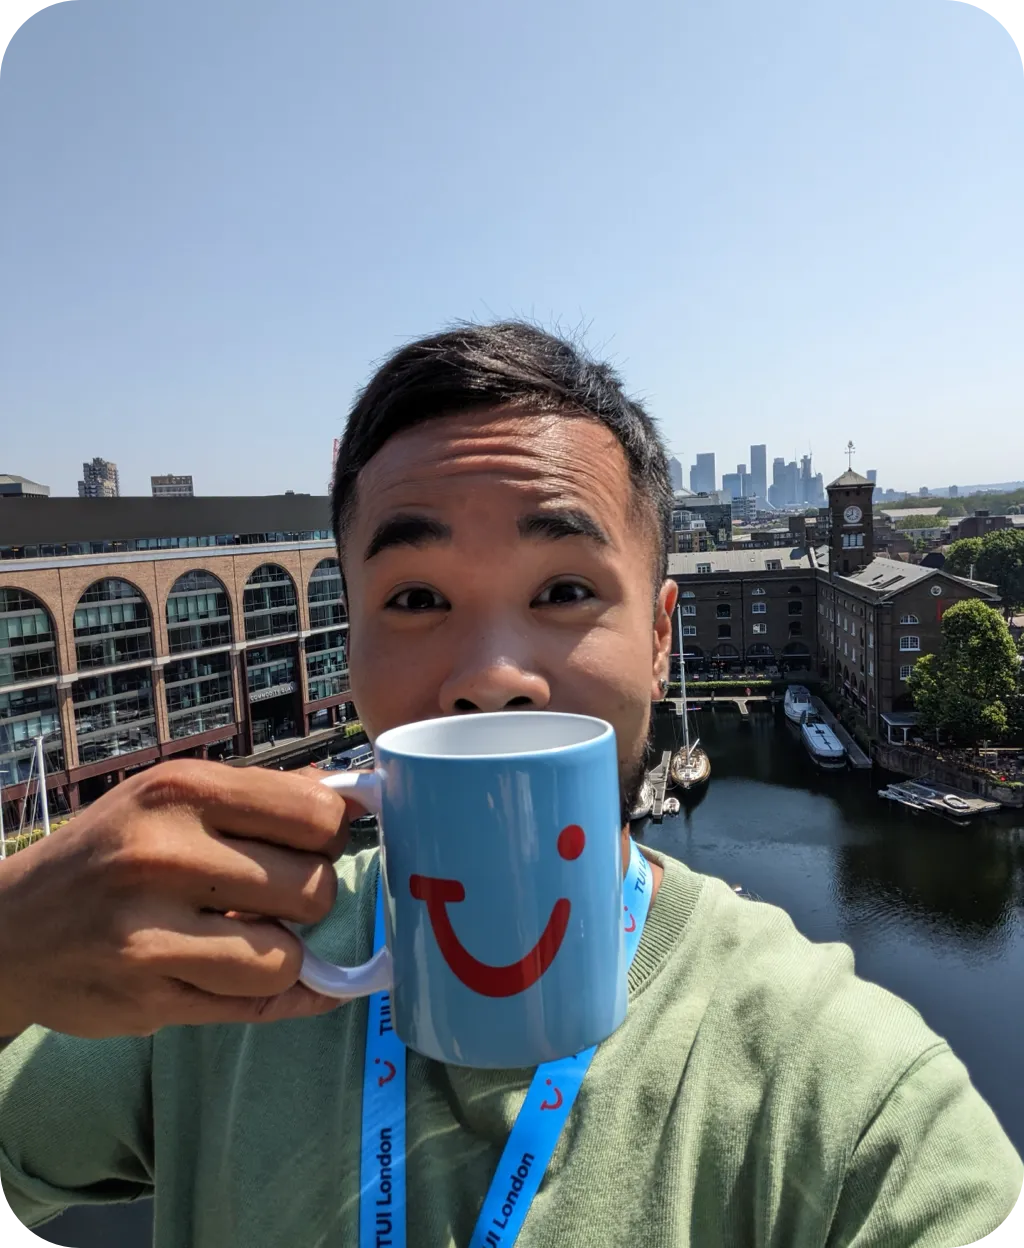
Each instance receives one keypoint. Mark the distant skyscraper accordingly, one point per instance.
(954, 491)
(99, 480)
(675, 472)
(702, 474)
(759, 472)
(872, 475)
(736, 484)
(171, 486)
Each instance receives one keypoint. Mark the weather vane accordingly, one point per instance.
(850, 448)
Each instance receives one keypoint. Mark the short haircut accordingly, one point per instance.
(507, 364)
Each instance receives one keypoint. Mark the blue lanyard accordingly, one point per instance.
(534, 1135)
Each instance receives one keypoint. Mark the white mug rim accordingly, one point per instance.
(390, 739)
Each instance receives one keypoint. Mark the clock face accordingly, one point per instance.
(852, 515)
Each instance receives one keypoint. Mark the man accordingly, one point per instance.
(502, 513)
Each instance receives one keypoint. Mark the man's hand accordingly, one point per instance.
(130, 918)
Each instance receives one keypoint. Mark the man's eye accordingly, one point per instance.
(419, 598)
(563, 593)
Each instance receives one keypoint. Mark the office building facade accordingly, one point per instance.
(759, 472)
(99, 480)
(123, 658)
(170, 486)
(702, 474)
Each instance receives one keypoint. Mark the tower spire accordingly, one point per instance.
(850, 448)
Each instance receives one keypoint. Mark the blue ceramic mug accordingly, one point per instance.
(502, 875)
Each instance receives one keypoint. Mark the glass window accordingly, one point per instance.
(905, 671)
(198, 613)
(909, 619)
(689, 630)
(112, 626)
(703, 569)
(327, 664)
(773, 565)
(759, 608)
(757, 590)
(326, 601)
(760, 628)
(270, 667)
(114, 714)
(28, 649)
(26, 714)
(199, 694)
(687, 593)
(269, 603)
(795, 628)
(796, 608)
(910, 643)
(723, 611)
(689, 608)
(725, 630)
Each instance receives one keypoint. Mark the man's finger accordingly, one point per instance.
(282, 807)
(195, 1007)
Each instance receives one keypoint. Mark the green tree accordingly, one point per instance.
(1002, 562)
(967, 689)
(962, 555)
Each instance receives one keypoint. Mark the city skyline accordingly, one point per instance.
(813, 236)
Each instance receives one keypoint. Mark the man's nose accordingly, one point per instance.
(493, 683)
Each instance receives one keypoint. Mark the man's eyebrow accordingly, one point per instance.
(558, 522)
(406, 529)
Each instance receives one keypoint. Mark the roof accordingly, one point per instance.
(886, 577)
(900, 719)
(896, 513)
(753, 561)
(849, 477)
(9, 478)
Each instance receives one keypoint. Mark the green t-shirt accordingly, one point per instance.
(757, 1093)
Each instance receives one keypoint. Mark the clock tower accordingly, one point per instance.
(849, 503)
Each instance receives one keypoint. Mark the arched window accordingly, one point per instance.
(28, 649)
(326, 602)
(269, 603)
(28, 652)
(198, 613)
(112, 626)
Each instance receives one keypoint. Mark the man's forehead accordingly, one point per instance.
(542, 456)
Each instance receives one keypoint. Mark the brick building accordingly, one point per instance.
(859, 620)
(746, 609)
(218, 643)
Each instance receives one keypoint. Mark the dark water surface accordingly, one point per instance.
(932, 911)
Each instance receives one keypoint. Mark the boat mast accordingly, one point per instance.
(41, 769)
(682, 682)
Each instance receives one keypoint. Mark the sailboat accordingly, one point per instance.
(690, 767)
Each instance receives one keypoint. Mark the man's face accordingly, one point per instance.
(494, 561)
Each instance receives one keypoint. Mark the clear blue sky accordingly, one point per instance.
(786, 222)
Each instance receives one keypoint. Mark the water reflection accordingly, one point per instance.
(933, 911)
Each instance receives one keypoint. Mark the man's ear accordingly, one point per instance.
(668, 596)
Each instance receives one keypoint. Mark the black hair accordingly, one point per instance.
(507, 364)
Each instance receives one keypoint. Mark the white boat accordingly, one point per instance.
(690, 767)
(821, 742)
(644, 802)
(797, 703)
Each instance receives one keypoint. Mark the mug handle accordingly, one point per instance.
(345, 983)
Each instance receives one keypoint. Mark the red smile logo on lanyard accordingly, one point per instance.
(481, 977)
